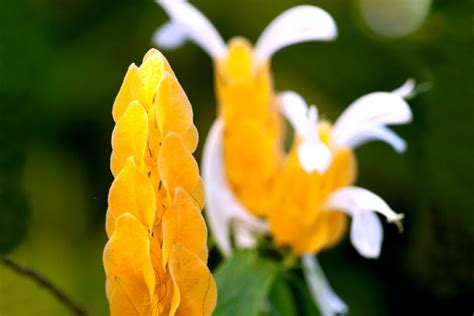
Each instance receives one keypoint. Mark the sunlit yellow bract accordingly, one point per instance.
(252, 125)
(155, 259)
(297, 218)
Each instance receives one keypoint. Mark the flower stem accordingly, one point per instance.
(44, 283)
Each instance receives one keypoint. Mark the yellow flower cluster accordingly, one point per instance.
(155, 259)
(274, 186)
(252, 126)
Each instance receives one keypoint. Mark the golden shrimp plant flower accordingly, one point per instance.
(243, 152)
(156, 255)
(315, 191)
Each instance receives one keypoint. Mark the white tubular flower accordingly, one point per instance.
(296, 25)
(325, 298)
(365, 119)
(366, 229)
(223, 210)
(313, 154)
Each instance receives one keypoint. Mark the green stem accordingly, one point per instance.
(44, 283)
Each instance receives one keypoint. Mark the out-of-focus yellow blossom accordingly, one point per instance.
(155, 259)
(315, 185)
(252, 125)
(248, 114)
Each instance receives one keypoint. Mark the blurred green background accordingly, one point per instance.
(62, 63)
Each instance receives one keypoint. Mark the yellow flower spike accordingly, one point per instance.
(129, 137)
(177, 166)
(131, 192)
(197, 288)
(324, 152)
(155, 201)
(184, 224)
(129, 269)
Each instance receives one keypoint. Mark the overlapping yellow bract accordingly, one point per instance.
(252, 126)
(155, 259)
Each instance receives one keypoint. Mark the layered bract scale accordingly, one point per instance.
(155, 259)
(252, 125)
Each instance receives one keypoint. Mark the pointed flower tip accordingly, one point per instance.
(397, 220)
(410, 89)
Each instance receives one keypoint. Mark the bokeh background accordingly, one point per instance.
(61, 65)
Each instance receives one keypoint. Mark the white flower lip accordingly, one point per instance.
(170, 36)
(329, 303)
(296, 25)
(366, 229)
(365, 119)
(223, 209)
(188, 23)
(313, 154)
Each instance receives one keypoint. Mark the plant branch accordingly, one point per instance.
(44, 283)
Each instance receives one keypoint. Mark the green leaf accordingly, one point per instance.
(281, 298)
(244, 282)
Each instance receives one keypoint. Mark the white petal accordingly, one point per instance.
(195, 25)
(299, 24)
(366, 231)
(302, 118)
(377, 133)
(356, 200)
(314, 157)
(367, 234)
(170, 36)
(407, 89)
(295, 109)
(222, 207)
(370, 111)
(329, 303)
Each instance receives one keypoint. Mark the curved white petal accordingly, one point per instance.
(370, 111)
(366, 231)
(187, 19)
(377, 133)
(367, 234)
(295, 109)
(223, 210)
(356, 200)
(329, 303)
(407, 89)
(296, 25)
(170, 36)
(314, 156)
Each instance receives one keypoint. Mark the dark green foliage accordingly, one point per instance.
(243, 282)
